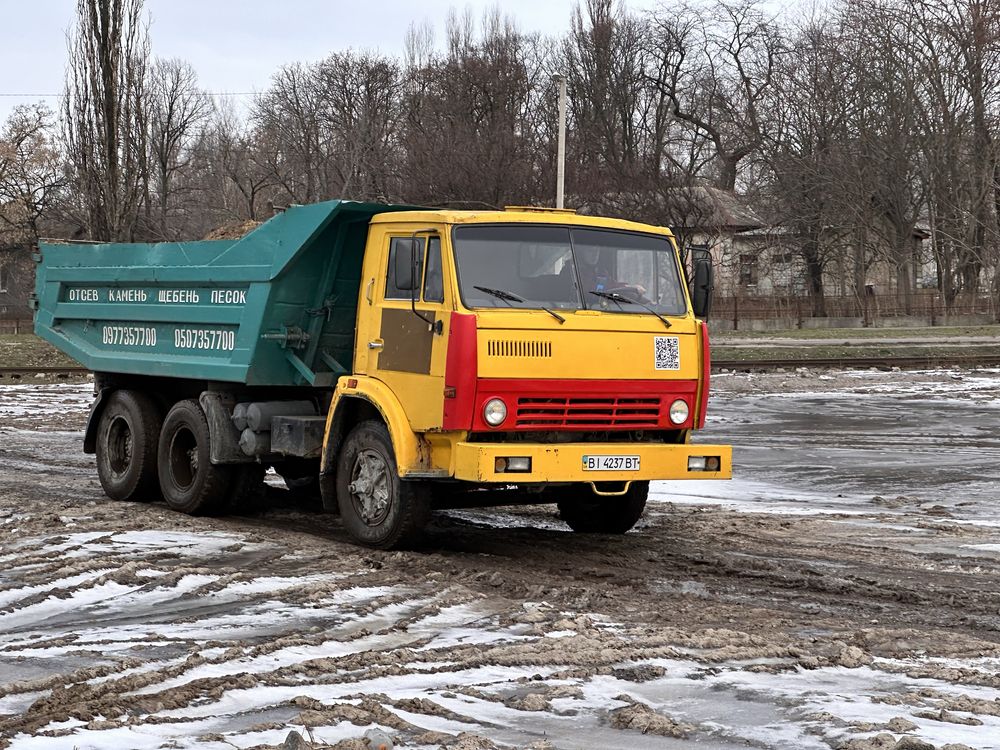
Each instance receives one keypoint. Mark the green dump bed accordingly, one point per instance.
(276, 307)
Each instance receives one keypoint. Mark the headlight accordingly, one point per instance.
(495, 412)
(679, 411)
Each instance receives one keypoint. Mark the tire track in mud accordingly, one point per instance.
(87, 694)
(148, 696)
(126, 623)
(739, 568)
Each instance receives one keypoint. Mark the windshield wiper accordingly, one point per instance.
(619, 298)
(509, 297)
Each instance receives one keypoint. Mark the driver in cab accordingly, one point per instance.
(595, 276)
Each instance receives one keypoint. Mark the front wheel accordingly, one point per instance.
(190, 482)
(586, 512)
(377, 507)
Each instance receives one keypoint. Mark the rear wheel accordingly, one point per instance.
(127, 435)
(301, 477)
(378, 508)
(586, 512)
(190, 482)
(246, 488)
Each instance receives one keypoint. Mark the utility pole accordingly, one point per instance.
(561, 155)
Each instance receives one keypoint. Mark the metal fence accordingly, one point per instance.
(881, 309)
(871, 308)
(16, 326)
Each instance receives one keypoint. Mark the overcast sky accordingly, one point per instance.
(235, 45)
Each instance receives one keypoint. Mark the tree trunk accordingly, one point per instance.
(728, 170)
(814, 270)
(860, 276)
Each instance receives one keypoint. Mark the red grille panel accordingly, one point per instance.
(583, 411)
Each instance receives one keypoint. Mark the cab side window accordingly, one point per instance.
(402, 245)
(433, 279)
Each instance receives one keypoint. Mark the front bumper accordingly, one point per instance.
(476, 462)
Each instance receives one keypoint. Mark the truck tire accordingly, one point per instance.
(189, 481)
(301, 477)
(127, 436)
(588, 513)
(377, 507)
(246, 489)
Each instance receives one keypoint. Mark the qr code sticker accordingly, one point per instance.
(667, 351)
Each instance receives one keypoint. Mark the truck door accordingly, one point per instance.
(409, 345)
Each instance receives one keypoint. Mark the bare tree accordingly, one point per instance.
(32, 178)
(472, 125)
(958, 55)
(288, 114)
(238, 180)
(883, 185)
(717, 70)
(105, 115)
(605, 60)
(178, 109)
(361, 108)
(334, 127)
(805, 147)
(850, 128)
(630, 156)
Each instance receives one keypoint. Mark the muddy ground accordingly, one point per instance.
(842, 591)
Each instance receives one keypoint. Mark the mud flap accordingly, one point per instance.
(328, 465)
(90, 433)
(224, 438)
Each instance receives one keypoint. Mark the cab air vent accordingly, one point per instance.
(519, 348)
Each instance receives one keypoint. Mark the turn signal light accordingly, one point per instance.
(704, 463)
(512, 464)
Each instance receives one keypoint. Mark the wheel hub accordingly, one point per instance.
(183, 458)
(369, 487)
(119, 446)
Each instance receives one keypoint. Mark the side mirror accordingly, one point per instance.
(703, 283)
(404, 265)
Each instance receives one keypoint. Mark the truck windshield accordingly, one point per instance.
(557, 267)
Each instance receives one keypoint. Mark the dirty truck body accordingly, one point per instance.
(395, 359)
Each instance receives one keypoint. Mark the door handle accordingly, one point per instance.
(376, 344)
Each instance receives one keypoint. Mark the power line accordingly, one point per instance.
(51, 96)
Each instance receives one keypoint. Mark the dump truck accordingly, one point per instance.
(396, 359)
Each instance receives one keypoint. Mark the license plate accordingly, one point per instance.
(611, 463)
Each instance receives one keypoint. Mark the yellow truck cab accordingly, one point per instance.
(543, 355)
(397, 359)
